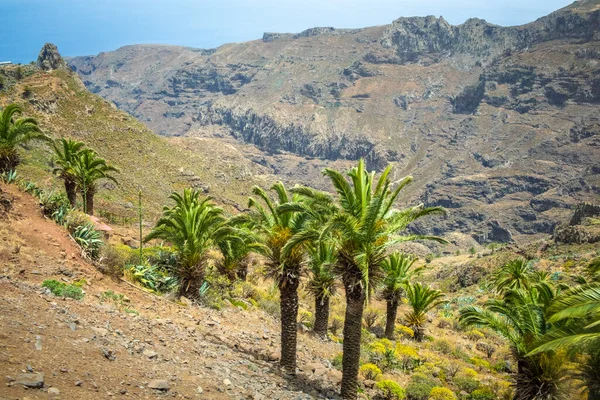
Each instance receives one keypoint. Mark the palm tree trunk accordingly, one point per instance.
(289, 323)
(321, 315)
(355, 303)
(523, 388)
(88, 198)
(71, 190)
(390, 321)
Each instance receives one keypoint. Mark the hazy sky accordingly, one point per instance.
(84, 27)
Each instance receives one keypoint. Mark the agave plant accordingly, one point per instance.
(89, 239)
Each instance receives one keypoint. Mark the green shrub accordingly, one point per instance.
(466, 383)
(337, 324)
(370, 371)
(54, 204)
(420, 387)
(336, 361)
(63, 290)
(370, 317)
(118, 299)
(483, 393)
(480, 362)
(441, 393)
(390, 390)
(443, 346)
(75, 219)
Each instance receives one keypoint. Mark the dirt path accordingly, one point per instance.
(96, 349)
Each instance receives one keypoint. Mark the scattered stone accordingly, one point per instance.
(159, 384)
(100, 331)
(78, 383)
(53, 391)
(108, 354)
(227, 382)
(123, 391)
(30, 380)
(150, 353)
(199, 390)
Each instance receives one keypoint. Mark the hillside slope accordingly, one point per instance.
(499, 124)
(154, 165)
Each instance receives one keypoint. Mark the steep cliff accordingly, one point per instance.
(500, 124)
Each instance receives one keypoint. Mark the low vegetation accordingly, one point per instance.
(525, 333)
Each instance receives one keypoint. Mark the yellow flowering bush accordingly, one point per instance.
(441, 393)
(370, 372)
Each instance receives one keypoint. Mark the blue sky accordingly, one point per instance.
(84, 27)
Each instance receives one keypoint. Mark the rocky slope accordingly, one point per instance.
(498, 124)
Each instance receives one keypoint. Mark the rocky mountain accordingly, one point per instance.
(498, 124)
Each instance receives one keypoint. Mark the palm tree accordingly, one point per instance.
(322, 283)
(193, 225)
(277, 226)
(515, 274)
(65, 153)
(235, 250)
(364, 227)
(421, 299)
(15, 132)
(398, 270)
(520, 316)
(88, 169)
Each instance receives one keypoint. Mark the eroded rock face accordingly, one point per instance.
(50, 59)
(495, 123)
(414, 37)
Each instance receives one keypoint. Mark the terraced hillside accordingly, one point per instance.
(498, 124)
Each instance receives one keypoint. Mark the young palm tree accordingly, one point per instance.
(421, 299)
(193, 225)
(65, 153)
(88, 169)
(322, 282)
(365, 226)
(398, 270)
(235, 250)
(15, 132)
(515, 274)
(277, 227)
(520, 316)
(575, 319)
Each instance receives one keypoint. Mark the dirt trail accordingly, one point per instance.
(95, 349)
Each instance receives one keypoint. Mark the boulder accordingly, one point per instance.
(159, 384)
(31, 380)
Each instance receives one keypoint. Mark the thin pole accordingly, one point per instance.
(141, 233)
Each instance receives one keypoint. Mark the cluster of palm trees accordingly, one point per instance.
(546, 324)
(332, 240)
(79, 167)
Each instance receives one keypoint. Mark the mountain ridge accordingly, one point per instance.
(516, 106)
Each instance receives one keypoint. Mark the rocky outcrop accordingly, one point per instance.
(273, 136)
(49, 58)
(317, 31)
(584, 210)
(412, 38)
